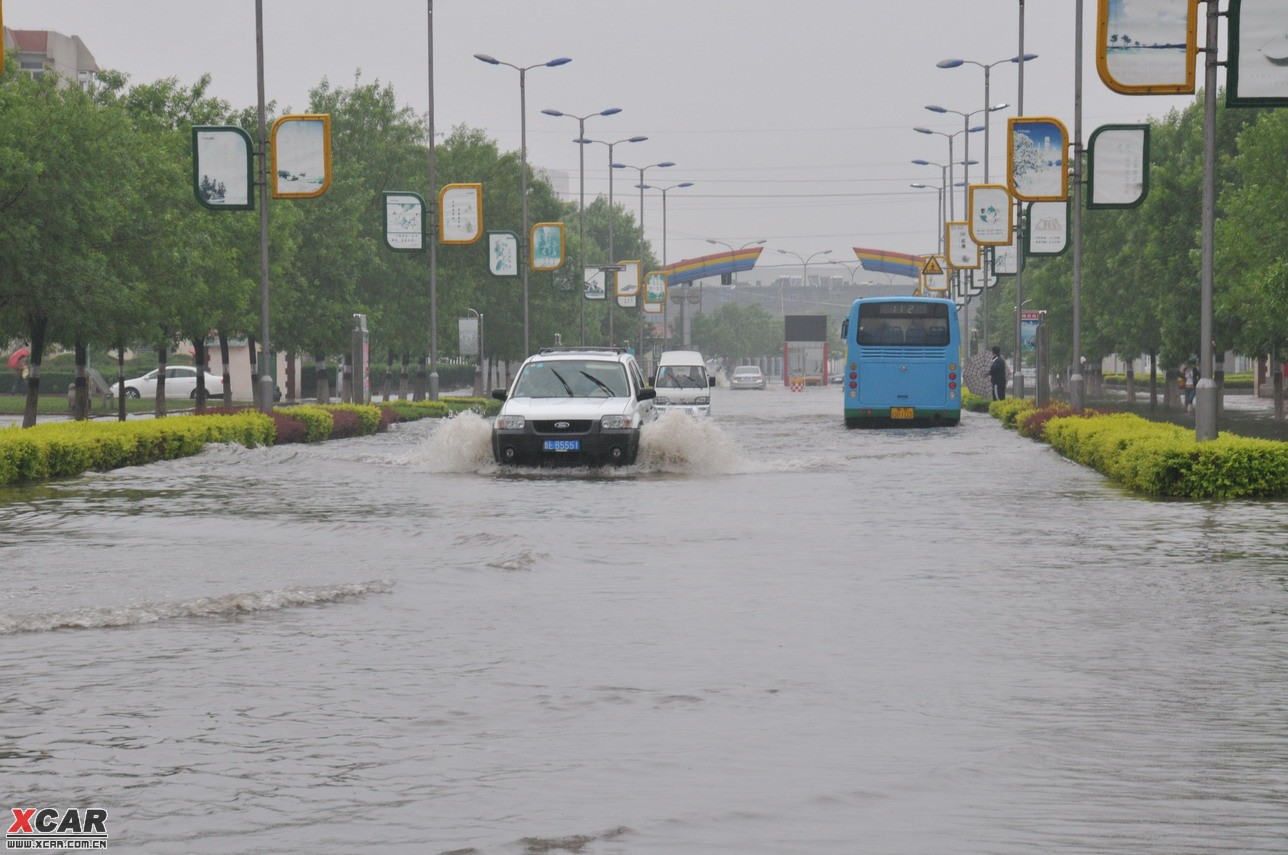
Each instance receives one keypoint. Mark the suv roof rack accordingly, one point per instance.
(585, 349)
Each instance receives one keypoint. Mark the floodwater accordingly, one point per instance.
(772, 635)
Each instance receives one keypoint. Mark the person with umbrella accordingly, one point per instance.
(997, 375)
(18, 365)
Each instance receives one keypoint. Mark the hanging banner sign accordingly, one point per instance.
(1048, 228)
(1006, 259)
(628, 284)
(546, 244)
(934, 274)
(1119, 166)
(503, 253)
(301, 148)
(991, 219)
(655, 292)
(1258, 63)
(221, 168)
(594, 280)
(460, 213)
(1147, 47)
(962, 252)
(1036, 168)
(404, 221)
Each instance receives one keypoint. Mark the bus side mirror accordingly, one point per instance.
(845, 328)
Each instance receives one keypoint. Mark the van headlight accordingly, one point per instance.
(661, 400)
(702, 399)
(510, 422)
(615, 422)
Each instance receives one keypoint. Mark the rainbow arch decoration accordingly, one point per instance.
(716, 264)
(885, 261)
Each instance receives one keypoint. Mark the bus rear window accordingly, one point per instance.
(900, 324)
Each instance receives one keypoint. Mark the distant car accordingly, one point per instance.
(180, 382)
(574, 405)
(747, 377)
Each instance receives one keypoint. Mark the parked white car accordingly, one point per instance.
(180, 382)
(582, 406)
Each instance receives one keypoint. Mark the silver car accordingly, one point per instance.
(747, 377)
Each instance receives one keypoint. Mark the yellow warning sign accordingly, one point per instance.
(931, 267)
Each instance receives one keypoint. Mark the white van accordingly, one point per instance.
(682, 383)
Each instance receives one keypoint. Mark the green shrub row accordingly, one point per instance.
(69, 448)
(1166, 460)
(59, 449)
(974, 403)
(1007, 409)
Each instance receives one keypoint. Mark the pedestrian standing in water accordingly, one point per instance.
(997, 375)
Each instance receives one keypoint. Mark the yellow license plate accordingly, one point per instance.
(901, 412)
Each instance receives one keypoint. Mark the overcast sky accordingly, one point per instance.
(792, 118)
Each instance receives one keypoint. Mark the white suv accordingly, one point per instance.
(578, 405)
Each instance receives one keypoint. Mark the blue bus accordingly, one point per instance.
(903, 365)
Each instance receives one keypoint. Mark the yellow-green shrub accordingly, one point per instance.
(317, 420)
(68, 448)
(368, 416)
(1007, 409)
(1166, 460)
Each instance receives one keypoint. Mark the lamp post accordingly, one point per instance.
(804, 273)
(952, 210)
(523, 170)
(581, 201)
(731, 249)
(945, 188)
(855, 268)
(939, 227)
(612, 257)
(642, 169)
(988, 67)
(684, 333)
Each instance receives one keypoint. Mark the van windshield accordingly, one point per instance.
(681, 377)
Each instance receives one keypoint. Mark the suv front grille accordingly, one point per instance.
(562, 426)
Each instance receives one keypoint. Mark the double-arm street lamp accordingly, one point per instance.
(967, 130)
(729, 246)
(612, 257)
(952, 209)
(804, 260)
(684, 337)
(523, 170)
(641, 170)
(581, 204)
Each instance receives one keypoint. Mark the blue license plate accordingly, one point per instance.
(562, 445)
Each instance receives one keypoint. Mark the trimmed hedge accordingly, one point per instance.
(60, 449)
(974, 403)
(68, 448)
(1007, 409)
(1166, 460)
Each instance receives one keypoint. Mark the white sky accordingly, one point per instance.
(792, 118)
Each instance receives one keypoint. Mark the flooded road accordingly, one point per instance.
(772, 636)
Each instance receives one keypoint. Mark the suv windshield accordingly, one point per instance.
(572, 378)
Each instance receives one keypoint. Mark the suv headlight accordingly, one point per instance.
(615, 422)
(510, 422)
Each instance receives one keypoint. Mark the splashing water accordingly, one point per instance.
(677, 443)
(462, 443)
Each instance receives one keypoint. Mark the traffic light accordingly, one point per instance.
(726, 278)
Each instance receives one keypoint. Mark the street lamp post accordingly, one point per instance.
(782, 304)
(952, 210)
(581, 202)
(988, 67)
(684, 333)
(523, 170)
(939, 225)
(612, 257)
(642, 169)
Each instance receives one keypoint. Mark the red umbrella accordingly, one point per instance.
(17, 357)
